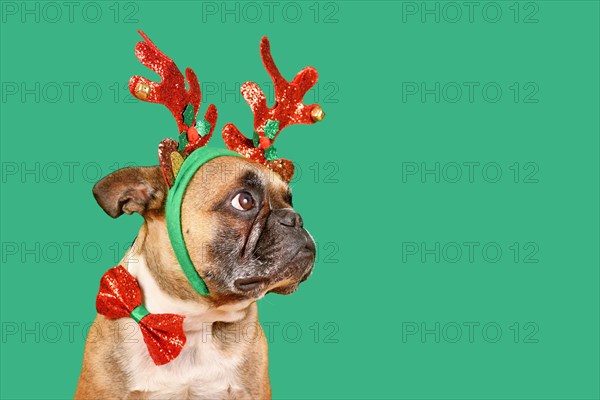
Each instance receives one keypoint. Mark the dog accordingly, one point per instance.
(245, 240)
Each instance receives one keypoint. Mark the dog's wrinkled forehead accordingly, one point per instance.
(220, 178)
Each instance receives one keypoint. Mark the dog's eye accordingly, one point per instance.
(243, 201)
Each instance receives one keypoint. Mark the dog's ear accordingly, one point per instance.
(129, 190)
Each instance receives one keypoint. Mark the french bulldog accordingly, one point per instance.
(245, 240)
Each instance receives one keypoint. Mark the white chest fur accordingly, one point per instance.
(202, 370)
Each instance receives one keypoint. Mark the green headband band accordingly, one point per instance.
(189, 167)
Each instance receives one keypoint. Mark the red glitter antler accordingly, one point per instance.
(183, 104)
(288, 109)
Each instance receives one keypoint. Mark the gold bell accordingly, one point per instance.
(142, 91)
(317, 113)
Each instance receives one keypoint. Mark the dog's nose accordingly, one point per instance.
(289, 218)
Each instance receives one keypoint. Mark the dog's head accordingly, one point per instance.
(241, 231)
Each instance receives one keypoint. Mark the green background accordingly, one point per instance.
(388, 267)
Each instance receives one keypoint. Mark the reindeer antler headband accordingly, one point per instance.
(179, 160)
(269, 122)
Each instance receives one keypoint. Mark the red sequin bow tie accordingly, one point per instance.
(120, 297)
